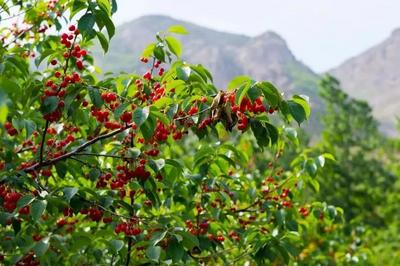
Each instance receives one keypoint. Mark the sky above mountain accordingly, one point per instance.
(322, 33)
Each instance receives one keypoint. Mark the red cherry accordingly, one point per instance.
(126, 117)
(49, 83)
(72, 28)
(220, 238)
(79, 65)
(147, 76)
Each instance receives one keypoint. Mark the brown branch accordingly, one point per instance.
(42, 143)
(77, 150)
(103, 155)
(248, 207)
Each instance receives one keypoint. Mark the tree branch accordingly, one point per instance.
(103, 155)
(77, 150)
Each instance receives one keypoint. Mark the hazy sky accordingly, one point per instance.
(321, 33)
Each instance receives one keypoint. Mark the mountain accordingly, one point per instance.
(264, 57)
(374, 76)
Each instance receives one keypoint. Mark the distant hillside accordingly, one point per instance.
(265, 57)
(375, 76)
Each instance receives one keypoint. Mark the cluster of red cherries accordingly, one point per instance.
(57, 85)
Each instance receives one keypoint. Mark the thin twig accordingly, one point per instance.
(42, 142)
(77, 150)
(103, 155)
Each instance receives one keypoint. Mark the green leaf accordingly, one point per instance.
(329, 156)
(148, 51)
(260, 133)
(270, 92)
(18, 123)
(159, 53)
(3, 113)
(297, 111)
(331, 211)
(174, 45)
(280, 216)
(153, 253)
(314, 184)
(311, 167)
(133, 153)
(49, 104)
(242, 92)
(140, 115)
(114, 6)
(77, 6)
(25, 200)
(37, 209)
(4, 217)
(178, 29)
(95, 97)
(30, 127)
(94, 174)
(148, 128)
(238, 81)
(69, 192)
(86, 23)
(189, 241)
(116, 245)
(103, 41)
(41, 247)
(157, 237)
(8, 86)
(104, 5)
(103, 19)
(175, 250)
(157, 165)
(61, 169)
(120, 109)
(42, 56)
(183, 73)
(272, 132)
(304, 103)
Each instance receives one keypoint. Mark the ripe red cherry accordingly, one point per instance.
(220, 238)
(204, 225)
(53, 62)
(79, 65)
(61, 222)
(72, 28)
(147, 76)
(271, 110)
(126, 117)
(193, 110)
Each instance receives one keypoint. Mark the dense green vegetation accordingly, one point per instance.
(164, 168)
